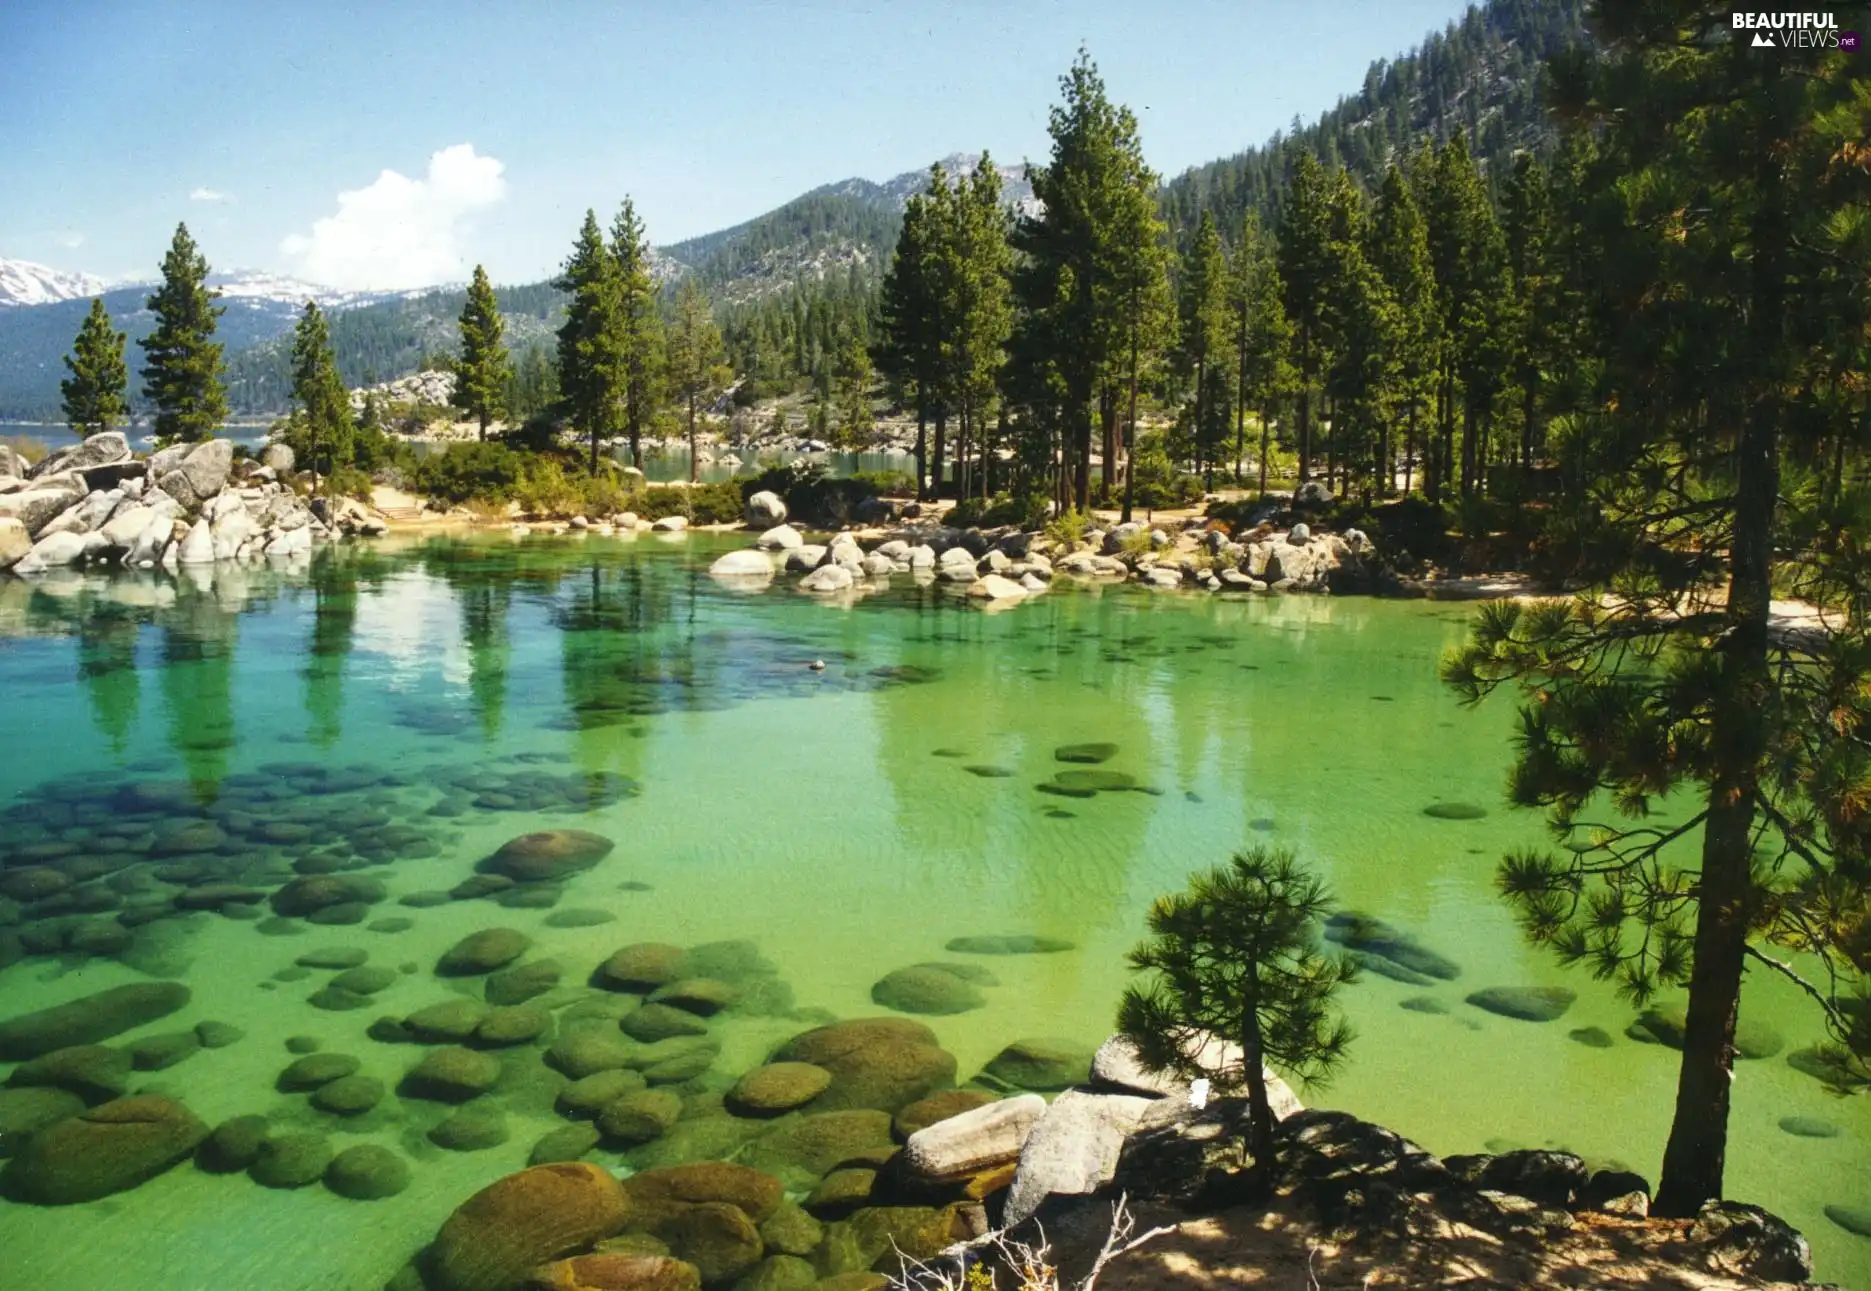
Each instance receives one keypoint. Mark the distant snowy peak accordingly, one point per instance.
(256, 286)
(24, 283)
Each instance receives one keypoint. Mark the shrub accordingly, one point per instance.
(1069, 529)
(1157, 482)
(458, 472)
(814, 497)
(32, 450)
(702, 503)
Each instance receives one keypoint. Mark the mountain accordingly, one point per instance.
(1480, 75)
(24, 283)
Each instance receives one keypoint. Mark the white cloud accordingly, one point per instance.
(208, 195)
(70, 239)
(400, 232)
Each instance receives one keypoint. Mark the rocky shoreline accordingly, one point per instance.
(97, 503)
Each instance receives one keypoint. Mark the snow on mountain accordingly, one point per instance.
(24, 283)
(258, 286)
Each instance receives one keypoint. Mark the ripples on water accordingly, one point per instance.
(387, 717)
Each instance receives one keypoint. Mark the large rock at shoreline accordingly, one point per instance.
(1074, 1149)
(780, 538)
(1039, 1064)
(102, 449)
(503, 1232)
(765, 509)
(615, 1271)
(103, 1151)
(826, 578)
(549, 854)
(15, 541)
(657, 1196)
(201, 474)
(89, 1019)
(973, 1141)
(37, 507)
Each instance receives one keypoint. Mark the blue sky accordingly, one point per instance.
(270, 127)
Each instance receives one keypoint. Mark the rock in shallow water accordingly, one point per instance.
(291, 1161)
(931, 989)
(483, 952)
(103, 1151)
(503, 1232)
(89, 1019)
(1526, 1003)
(549, 854)
(778, 1087)
(367, 1172)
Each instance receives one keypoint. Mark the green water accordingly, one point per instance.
(807, 811)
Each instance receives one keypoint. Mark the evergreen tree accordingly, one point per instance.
(855, 419)
(484, 370)
(696, 370)
(1263, 341)
(640, 332)
(1306, 270)
(1236, 957)
(370, 442)
(320, 431)
(1527, 223)
(1397, 245)
(94, 393)
(182, 370)
(1714, 359)
(907, 351)
(1204, 315)
(592, 381)
(1090, 260)
(979, 308)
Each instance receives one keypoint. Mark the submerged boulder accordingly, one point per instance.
(549, 854)
(103, 1151)
(503, 1232)
(882, 1063)
(89, 1019)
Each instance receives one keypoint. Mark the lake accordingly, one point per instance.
(399, 712)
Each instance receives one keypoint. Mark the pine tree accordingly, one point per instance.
(484, 369)
(907, 351)
(1203, 310)
(1306, 269)
(320, 432)
(592, 382)
(1263, 341)
(853, 382)
(1527, 223)
(182, 371)
(979, 307)
(696, 370)
(640, 332)
(1091, 261)
(1713, 355)
(94, 393)
(1397, 245)
(1236, 957)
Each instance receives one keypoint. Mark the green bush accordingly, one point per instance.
(458, 472)
(813, 497)
(1027, 512)
(1068, 529)
(1157, 482)
(702, 503)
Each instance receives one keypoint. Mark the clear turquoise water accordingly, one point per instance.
(810, 813)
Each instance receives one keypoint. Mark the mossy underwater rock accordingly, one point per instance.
(451, 1074)
(567, 1143)
(1525, 1003)
(313, 895)
(881, 1063)
(801, 1152)
(24, 1112)
(455, 1019)
(367, 1172)
(483, 952)
(615, 1271)
(719, 1239)
(1808, 1127)
(702, 996)
(590, 1095)
(349, 1095)
(656, 1021)
(641, 967)
(640, 1116)
(1664, 1024)
(777, 1087)
(1454, 811)
(659, 1195)
(291, 1161)
(523, 982)
(789, 1230)
(513, 1024)
(1040, 1064)
(313, 1070)
(929, 989)
(472, 1129)
(1012, 944)
(1855, 1220)
(1591, 1037)
(517, 1223)
(105, 1150)
(233, 1145)
(160, 1052)
(1085, 753)
(94, 1072)
(549, 854)
(1371, 937)
(924, 1112)
(89, 1019)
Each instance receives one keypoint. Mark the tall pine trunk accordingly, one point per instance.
(922, 452)
(1266, 447)
(1107, 417)
(694, 465)
(941, 448)
(1695, 1158)
(1409, 449)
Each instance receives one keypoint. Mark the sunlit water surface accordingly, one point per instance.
(828, 816)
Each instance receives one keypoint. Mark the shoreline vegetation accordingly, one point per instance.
(1578, 372)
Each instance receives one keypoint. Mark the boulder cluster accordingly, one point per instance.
(1009, 564)
(98, 503)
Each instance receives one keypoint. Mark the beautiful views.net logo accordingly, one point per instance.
(1796, 31)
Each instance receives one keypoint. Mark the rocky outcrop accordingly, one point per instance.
(190, 504)
(765, 510)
